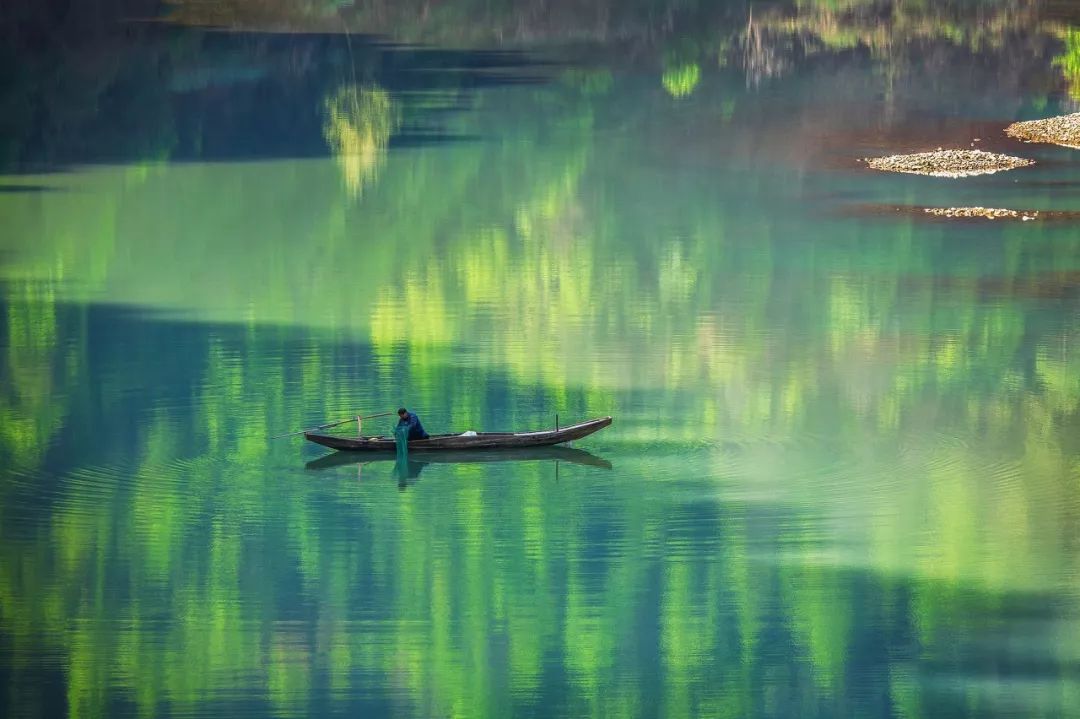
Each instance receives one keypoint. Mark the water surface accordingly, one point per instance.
(842, 476)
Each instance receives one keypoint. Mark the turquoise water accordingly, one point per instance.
(842, 475)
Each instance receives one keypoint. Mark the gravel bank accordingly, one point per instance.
(1061, 130)
(948, 163)
(989, 213)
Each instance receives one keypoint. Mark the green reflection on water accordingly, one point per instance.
(359, 123)
(841, 445)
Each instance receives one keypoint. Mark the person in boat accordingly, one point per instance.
(410, 420)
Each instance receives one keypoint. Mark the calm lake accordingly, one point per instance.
(843, 478)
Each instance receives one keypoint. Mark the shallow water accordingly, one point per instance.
(841, 480)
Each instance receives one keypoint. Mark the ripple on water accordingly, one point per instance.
(936, 452)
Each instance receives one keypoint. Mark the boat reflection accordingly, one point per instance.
(480, 456)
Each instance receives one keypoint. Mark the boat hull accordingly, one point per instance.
(481, 440)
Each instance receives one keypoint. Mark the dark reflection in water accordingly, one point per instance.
(841, 479)
(26, 188)
(94, 89)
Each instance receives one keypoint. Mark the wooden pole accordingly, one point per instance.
(331, 424)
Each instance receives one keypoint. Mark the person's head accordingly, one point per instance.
(402, 412)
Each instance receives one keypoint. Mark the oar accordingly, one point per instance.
(331, 424)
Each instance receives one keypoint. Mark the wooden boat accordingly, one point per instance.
(480, 440)
(569, 455)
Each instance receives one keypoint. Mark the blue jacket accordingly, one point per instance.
(416, 430)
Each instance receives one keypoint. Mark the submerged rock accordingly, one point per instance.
(1060, 130)
(949, 163)
(959, 214)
